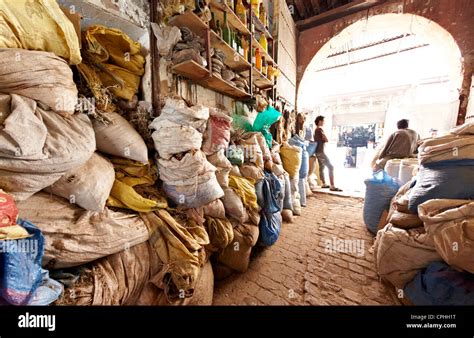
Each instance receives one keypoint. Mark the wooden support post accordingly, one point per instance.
(155, 61)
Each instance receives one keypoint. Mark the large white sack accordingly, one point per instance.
(119, 138)
(172, 138)
(38, 146)
(400, 254)
(75, 236)
(189, 170)
(176, 110)
(88, 186)
(450, 226)
(234, 207)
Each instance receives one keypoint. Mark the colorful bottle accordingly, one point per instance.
(226, 32)
(254, 59)
(258, 60)
(212, 24)
(264, 42)
(256, 7)
(245, 46)
(264, 66)
(241, 11)
(263, 14)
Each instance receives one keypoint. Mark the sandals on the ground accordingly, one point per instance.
(325, 186)
(335, 189)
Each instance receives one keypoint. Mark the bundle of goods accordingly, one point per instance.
(190, 48)
(166, 38)
(408, 169)
(381, 188)
(47, 30)
(58, 140)
(400, 254)
(218, 63)
(270, 199)
(298, 141)
(291, 157)
(450, 226)
(399, 215)
(440, 284)
(236, 256)
(103, 52)
(180, 243)
(217, 135)
(241, 82)
(75, 236)
(172, 7)
(447, 167)
(22, 280)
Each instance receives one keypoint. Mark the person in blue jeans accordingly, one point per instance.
(323, 159)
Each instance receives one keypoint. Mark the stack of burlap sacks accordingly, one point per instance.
(426, 249)
(87, 184)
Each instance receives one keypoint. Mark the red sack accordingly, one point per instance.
(8, 210)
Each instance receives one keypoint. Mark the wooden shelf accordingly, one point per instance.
(260, 26)
(233, 59)
(191, 21)
(268, 57)
(232, 18)
(199, 74)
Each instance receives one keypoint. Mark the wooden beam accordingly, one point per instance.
(337, 13)
(301, 8)
(316, 7)
(155, 61)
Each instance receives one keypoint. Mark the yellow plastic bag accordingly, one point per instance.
(38, 25)
(13, 232)
(117, 59)
(291, 158)
(130, 174)
(245, 189)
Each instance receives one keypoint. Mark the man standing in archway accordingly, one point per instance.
(323, 160)
(401, 144)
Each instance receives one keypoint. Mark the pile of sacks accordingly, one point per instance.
(426, 249)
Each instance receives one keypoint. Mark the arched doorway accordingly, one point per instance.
(382, 69)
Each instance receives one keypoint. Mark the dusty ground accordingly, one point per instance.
(300, 268)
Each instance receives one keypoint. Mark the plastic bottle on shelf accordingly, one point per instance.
(226, 32)
(245, 47)
(256, 7)
(258, 60)
(254, 60)
(241, 11)
(264, 66)
(263, 15)
(264, 42)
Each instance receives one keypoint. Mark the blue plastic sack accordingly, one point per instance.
(311, 148)
(443, 180)
(381, 188)
(439, 284)
(269, 193)
(270, 225)
(47, 292)
(20, 269)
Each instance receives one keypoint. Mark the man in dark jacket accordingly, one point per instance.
(323, 159)
(401, 144)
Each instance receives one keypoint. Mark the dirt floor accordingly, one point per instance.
(323, 258)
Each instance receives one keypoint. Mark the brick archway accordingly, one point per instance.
(455, 17)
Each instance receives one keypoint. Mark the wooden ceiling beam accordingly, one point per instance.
(316, 7)
(301, 8)
(337, 13)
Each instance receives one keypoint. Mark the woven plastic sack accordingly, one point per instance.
(119, 138)
(381, 188)
(443, 181)
(217, 135)
(20, 270)
(38, 25)
(291, 158)
(88, 186)
(440, 284)
(235, 155)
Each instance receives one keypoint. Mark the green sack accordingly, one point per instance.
(235, 155)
